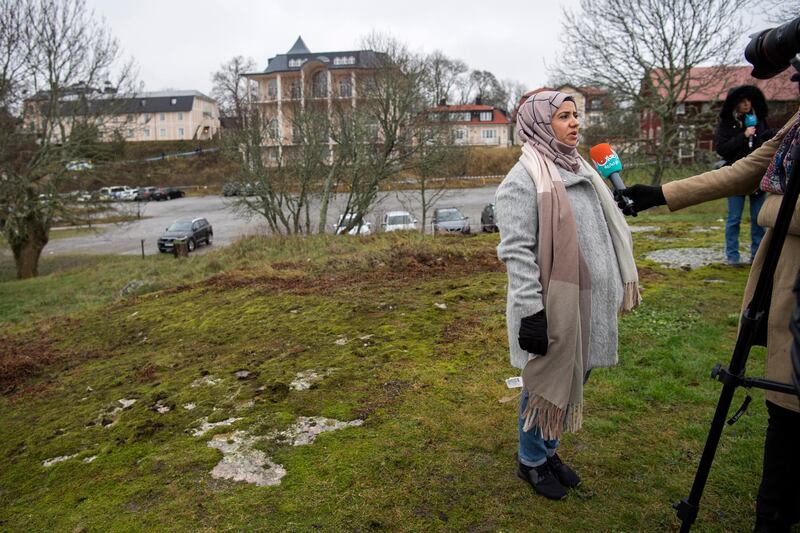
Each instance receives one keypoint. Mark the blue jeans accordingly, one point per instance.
(735, 208)
(533, 449)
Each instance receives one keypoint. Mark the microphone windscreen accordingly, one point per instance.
(750, 120)
(605, 159)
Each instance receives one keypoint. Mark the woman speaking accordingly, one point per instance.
(568, 254)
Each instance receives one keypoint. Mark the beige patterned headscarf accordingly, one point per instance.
(533, 126)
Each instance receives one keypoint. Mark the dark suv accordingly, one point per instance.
(194, 230)
(487, 219)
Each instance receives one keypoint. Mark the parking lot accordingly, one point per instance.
(126, 239)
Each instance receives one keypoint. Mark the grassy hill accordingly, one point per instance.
(407, 334)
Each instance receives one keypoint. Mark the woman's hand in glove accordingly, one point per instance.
(643, 197)
(533, 333)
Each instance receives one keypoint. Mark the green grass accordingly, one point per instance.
(436, 450)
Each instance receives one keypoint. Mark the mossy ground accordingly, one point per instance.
(436, 451)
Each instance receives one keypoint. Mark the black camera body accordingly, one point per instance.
(771, 51)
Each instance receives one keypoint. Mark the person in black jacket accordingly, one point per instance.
(742, 128)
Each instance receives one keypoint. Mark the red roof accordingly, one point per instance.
(710, 84)
(498, 116)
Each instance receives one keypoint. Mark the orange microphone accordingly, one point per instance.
(608, 165)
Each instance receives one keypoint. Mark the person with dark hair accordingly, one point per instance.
(742, 128)
(568, 254)
(768, 168)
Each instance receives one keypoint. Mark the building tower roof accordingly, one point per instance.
(299, 47)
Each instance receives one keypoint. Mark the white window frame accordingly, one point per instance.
(163, 132)
(180, 133)
(162, 117)
(147, 132)
(486, 116)
(680, 109)
(487, 134)
(130, 133)
(180, 116)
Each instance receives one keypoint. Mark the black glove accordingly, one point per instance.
(643, 197)
(533, 333)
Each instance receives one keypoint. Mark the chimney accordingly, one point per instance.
(443, 102)
(478, 100)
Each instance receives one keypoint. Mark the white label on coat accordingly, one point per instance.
(514, 383)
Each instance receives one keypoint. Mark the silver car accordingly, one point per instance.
(450, 220)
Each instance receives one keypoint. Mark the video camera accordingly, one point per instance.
(771, 51)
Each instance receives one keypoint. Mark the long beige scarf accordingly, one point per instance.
(555, 382)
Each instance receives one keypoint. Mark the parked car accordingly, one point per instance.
(113, 192)
(365, 228)
(144, 194)
(234, 188)
(450, 220)
(196, 231)
(398, 221)
(170, 193)
(487, 219)
(128, 195)
(79, 164)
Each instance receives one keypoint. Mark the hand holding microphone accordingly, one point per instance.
(608, 165)
(750, 123)
(632, 199)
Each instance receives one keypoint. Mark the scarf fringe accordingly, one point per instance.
(630, 297)
(551, 419)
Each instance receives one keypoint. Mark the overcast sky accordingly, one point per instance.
(177, 44)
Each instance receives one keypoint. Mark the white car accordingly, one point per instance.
(398, 221)
(128, 195)
(344, 220)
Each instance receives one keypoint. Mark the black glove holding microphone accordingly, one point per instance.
(533, 333)
(643, 197)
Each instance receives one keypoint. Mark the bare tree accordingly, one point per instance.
(277, 180)
(60, 53)
(644, 51)
(231, 89)
(442, 76)
(780, 11)
(382, 137)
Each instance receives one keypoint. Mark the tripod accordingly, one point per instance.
(753, 321)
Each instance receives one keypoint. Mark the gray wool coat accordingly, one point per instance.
(516, 215)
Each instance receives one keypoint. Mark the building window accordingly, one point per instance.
(180, 133)
(173, 101)
(162, 117)
(272, 129)
(130, 134)
(146, 118)
(486, 116)
(319, 84)
(272, 89)
(297, 134)
(180, 116)
(460, 135)
(130, 118)
(345, 88)
(163, 132)
(147, 133)
(681, 109)
(296, 62)
(459, 117)
(596, 104)
(487, 134)
(296, 90)
(143, 103)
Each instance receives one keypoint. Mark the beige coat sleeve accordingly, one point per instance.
(740, 178)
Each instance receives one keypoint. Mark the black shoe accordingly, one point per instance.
(764, 525)
(565, 474)
(542, 480)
